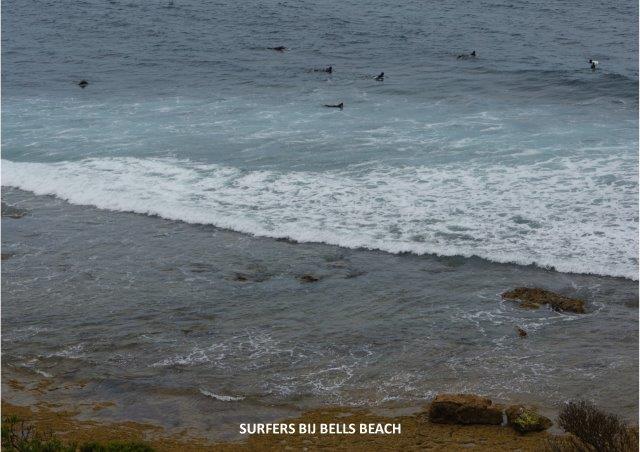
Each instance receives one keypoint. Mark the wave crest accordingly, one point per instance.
(574, 215)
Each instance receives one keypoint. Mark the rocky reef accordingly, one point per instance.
(12, 211)
(533, 298)
(464, 409)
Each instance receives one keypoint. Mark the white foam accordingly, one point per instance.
(222, 398)
(71, 352)
(575, 215)
(194, 358)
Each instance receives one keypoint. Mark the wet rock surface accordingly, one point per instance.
(526, 420)
(307, 278)
(464, 409)
(533, 298)
(12, 211)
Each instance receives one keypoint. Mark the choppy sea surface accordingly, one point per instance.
(194, 146)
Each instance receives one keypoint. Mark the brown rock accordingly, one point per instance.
(512, 412)
(464, 409)
(530, 297)
(568, 304)
(521, 332)
(308, 278)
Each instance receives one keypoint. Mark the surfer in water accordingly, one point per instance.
(464, 56)
(340, 105)
(279, 48)
(380, 77)
(83, 84)
(593, 64)
(328, 70)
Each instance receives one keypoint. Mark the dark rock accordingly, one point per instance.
(525, 420)
(251, 277)
(199, 267)
(307, 278)
(12, 212)
(354, 274)
(6, 256)
(464, 409)
(286, 240)
(530, 297)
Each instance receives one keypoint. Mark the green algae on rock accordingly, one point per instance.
(525, 420)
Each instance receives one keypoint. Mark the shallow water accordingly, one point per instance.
(150, 313)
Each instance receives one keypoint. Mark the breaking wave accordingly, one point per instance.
(570, 214)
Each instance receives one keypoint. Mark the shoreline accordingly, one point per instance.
(437, 425)
(418, 433)
(411, 428)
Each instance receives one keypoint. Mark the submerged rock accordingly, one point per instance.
(199, 267)
(12, 212)
(533, 298)
(354, 274)
(525, 420)
(250, 277)
(307, 278)
(521, 332)
(464, 409)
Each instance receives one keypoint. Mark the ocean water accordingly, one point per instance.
(521, 155)
(197, 154)
(193, 326)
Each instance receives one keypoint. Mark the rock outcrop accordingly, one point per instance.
(12, 212)
(307, 278)
(533, 298)
(525, 420)
(464, 409)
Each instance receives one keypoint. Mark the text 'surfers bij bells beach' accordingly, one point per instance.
(319, 225)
